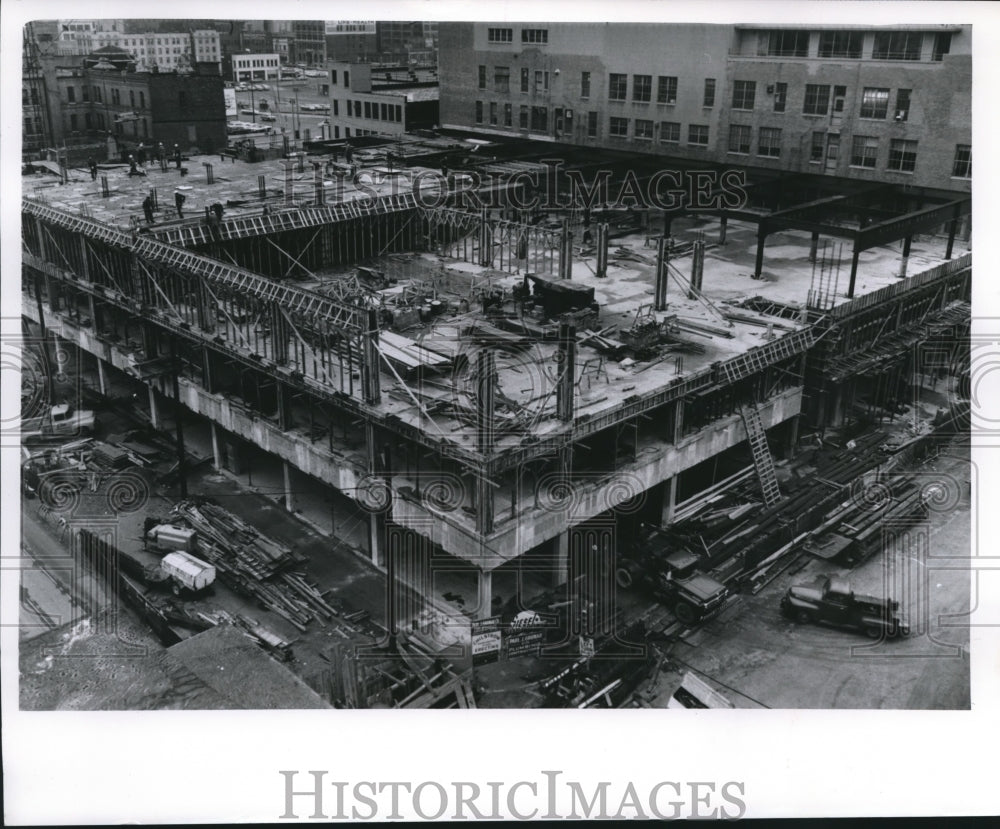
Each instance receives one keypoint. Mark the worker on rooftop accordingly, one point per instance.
(147, 208)
(93, 168)
(179, 199)
(177, 156)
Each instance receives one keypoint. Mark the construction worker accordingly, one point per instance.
(179, 199)
(147, 208)
(93, 168)
(218, 210)
(132, 171)
(177, 156)
(160, 152)
(141, 153)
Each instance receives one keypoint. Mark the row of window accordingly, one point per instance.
(501, 79)
(849, 44)
(506, 35)
(373, 110)
(816, 100)
(643, 129)
(642, 88)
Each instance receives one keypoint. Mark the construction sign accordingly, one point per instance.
(486, 640)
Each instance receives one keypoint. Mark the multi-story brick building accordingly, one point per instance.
(350, 40)
(858, 102)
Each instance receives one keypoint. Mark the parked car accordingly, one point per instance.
(830, 600)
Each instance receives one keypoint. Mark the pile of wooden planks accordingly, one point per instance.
(252, 564)
(408, 355)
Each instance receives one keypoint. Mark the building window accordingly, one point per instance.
(670, 132)
(780, 96)
(336, 108)
(85, 93)
(368, 111)
(479, 112)
(131, 98)
(534, 35)
(142, 100)
(508, 115)
(618, 127)
(897, 46)
(698, 134)
(493, 113)
(524, 80)
(591, 125)
(73, 122)
(816, 146)
(902, 104)
(71, 94)
(817, 100)
(942, 45)
(584, 84)
(874, 102)
(709, 98)
(642, 88)
(501, 79)
(541, 82)
(739, 139)
(963, 161)
(539, 119)
(617, 87)
(743, 94)
(643, 129)
(347, 79)
(864, 151)
(523, 122)
(769, 142)
(784, 43)
(500, 35)
(840, 44)
(482, 77)
(666, 90)
(902, 155)
(384, 110)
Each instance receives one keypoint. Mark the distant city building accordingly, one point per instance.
(351, 40)
(252, 67)
(309, 43)
(165, 51)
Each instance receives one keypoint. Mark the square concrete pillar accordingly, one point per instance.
(102, 382)
(286, 471)
(485, 608)
(669, 501)
(154, 415)
(216, 449)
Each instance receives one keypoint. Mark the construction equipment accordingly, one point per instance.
(830, 600)
(187, 572)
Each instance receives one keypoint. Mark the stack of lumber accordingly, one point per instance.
(252, 564)
(409, 355)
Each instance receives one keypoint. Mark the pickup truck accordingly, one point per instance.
(830, 600)
(673, 578)
(61, 420)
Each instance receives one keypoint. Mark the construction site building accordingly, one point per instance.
(444, 387)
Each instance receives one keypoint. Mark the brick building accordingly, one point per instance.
(858, 102)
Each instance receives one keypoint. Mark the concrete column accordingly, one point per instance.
(723, 226)
(669, 501)
(792, 437)
(758, 267)
(836, 413)
(286, 471)
(560, 573)
(678, 421)
(813, 246)
(905, 257)
(485, 609)
(102, 382)
(216, 449)
(154, 415)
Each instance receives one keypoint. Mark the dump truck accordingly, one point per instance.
(60, 421)
(188, 574)
(830, 600)
(672, 577)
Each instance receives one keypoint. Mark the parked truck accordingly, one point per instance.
(189, 574)
(672, 577)
(830, 600)
(62, 420)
